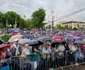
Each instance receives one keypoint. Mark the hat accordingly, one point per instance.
(15, 40)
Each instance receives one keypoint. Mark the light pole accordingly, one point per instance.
(15, 23)
(52, 21)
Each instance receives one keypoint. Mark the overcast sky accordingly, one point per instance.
(60, 7)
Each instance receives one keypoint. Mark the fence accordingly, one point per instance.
(44, 62)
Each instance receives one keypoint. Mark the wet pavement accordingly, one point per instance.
(80, 67)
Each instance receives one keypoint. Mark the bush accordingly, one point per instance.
(5, 38)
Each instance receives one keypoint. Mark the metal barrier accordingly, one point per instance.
(44, 62)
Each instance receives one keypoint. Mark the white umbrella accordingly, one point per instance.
(15, 37)
(23, 41)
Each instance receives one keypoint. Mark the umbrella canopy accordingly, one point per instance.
(58, 38)
(14, 37)
(57, 41)
(79, 42)
(5, 46)
(83, 46)
(44, 38)
(77, 38)
(33, 43)
(1, 42)
(30, 42)
(83, 36)
(23, 41)
(31, 37)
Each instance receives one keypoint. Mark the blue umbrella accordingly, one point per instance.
(31, 37)
(78, 38)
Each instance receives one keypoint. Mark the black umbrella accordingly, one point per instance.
(1, 42)
(35, 43)
(57, 42)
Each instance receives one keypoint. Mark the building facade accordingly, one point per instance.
(74, 24)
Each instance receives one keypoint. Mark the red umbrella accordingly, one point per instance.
(5, 46)
(57, 37)
(83, 46)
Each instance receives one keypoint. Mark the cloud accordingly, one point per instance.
(60, 7)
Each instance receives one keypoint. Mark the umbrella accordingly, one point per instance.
(5, 46)
(33, 43)
(44, 38)
(14, 37)
(57, 41)
(31, 37)
(83, 46)
(83, 36)
(1, 41)
(57, 37)
(79, 42)
(30, 42)
(23, 41)
(77, 38)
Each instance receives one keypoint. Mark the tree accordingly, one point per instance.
(22, 23)
(12, 18)
(70, 27)
(66, 27)
(2, 19)
(38, 17)
(58, 26)
(80, 28)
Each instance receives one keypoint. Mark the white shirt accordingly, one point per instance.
(44, 50)
(26, 52)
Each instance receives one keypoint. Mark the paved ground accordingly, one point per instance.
(80, 67)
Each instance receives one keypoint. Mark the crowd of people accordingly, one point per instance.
(47, 55)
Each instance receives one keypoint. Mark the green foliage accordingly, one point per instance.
(80, 28)
(66, 27)
(37, 18)
(70, 28)
(12, 17)
(58, 26)
(1, 25)
(22, 23)
(5, 38)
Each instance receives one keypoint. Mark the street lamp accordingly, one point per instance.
(52, 21)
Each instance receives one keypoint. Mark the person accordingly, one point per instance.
(15, 48)
(74, 52)
(81, 55)
(24, 51)
(34, 54)
(46, 51)
(67, 53)
(60, 55)
(54, 55)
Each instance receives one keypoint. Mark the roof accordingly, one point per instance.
(74, 22)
